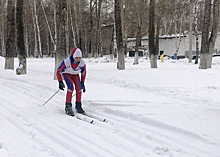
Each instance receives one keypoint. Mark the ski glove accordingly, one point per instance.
(83, 87)
(61, 85)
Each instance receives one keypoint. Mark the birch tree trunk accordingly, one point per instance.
(26, 41)
(208, 44)
(75, 7)
(157, 43)
(112, 43)
(36, 52)
(97, 36)
(197, 34)
(190, 30)
(10, 43)
(55, 38)
(22, 68)
(119, 39)
(38, 30)
(179, 40)
(138, 43)
(152, 47)
(91, 28)
(49, 29)
(71, 21)
(3, 30)
(215, 26)
(205, 36)
(55, 27)
(67, 31)
(61, 32)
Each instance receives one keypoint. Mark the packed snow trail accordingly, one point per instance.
(153, 114)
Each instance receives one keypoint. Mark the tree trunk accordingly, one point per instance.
(38, 29)
(208, 43)
(55, 38)
(49, 29)
(215, 26)
(119, 39)
(61, 23)
(190, 30)
(55, 27)
(10, 44)
(126, 43)
(197, 34)
(26, 38)
(205, 36)
(152, 47)
(3, 31)
(36, 53)
(22, 68)
(71, 21)
(138, 43)
(76, 22)
(91, 28)
(157, 44)
(67, 32)
(112, 43)
(98, 15)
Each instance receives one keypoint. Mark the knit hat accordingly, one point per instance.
(76, 52)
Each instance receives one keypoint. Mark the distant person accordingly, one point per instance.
(70, 68)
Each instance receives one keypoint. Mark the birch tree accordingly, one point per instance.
(3, 28)
(97, 36)
(214, 30)
(71, 21)
(190, 30)
(10, 43)
(38, 29)
(139, 24)
(61, 34)
(208, 43)
(119, 39)
(152, 47)
(22, 68)
(196, 32)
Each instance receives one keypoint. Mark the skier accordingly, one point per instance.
(70, 69)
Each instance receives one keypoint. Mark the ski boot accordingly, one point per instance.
(69, 110)
(78, 108)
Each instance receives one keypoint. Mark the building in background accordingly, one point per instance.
(168, 44)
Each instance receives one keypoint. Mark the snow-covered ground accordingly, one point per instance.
(170, 111)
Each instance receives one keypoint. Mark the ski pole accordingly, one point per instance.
(51, 96)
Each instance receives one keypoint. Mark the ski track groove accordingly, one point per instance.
(142, 131)
(25, 86)
(117, 142)
(89, 141)
(163, 138)
(26, 133)
(165, 91)
(155, 123)
(46, 134)
(67, 146)
(66, 135)
(172, 139)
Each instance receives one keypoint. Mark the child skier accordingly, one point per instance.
(70, 69)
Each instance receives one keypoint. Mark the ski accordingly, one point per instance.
(101, 119)
(88, 117)
(84, 118)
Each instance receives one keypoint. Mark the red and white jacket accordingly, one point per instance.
(72, 67)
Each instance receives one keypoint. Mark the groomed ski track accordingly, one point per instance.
(32, 130)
